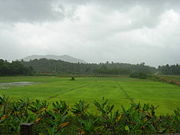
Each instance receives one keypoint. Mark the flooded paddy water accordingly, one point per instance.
(4, 86)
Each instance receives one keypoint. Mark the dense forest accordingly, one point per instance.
(47, 66)
(169, 69)
(58, 66)
(14, 68)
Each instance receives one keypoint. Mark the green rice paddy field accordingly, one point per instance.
(119, 90)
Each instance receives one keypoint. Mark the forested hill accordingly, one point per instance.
(14, 68)
(46, 66)
(58, 66)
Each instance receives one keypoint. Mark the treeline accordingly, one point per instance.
(61, 67)
(46, 66)
(169, 69)
(14, 68)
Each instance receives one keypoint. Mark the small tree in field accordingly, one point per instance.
(72, 78)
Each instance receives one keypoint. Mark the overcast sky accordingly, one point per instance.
(127, 31)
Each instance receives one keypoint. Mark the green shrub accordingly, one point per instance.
(140, 75)
(58, 118)
(72, 78)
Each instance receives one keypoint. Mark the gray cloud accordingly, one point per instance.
(94, 30)
(28, 11)
(48, 10)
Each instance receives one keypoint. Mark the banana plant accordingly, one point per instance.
(4, 101)
(60, 107)
(38, 106)
(80, 108)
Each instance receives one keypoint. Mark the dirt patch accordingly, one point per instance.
(166, 80)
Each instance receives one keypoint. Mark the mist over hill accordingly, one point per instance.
(65, 58)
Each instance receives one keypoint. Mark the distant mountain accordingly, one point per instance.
(65, 58)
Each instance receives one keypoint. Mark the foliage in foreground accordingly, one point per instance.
(59, 118)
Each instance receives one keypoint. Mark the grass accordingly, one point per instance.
(119, 90)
